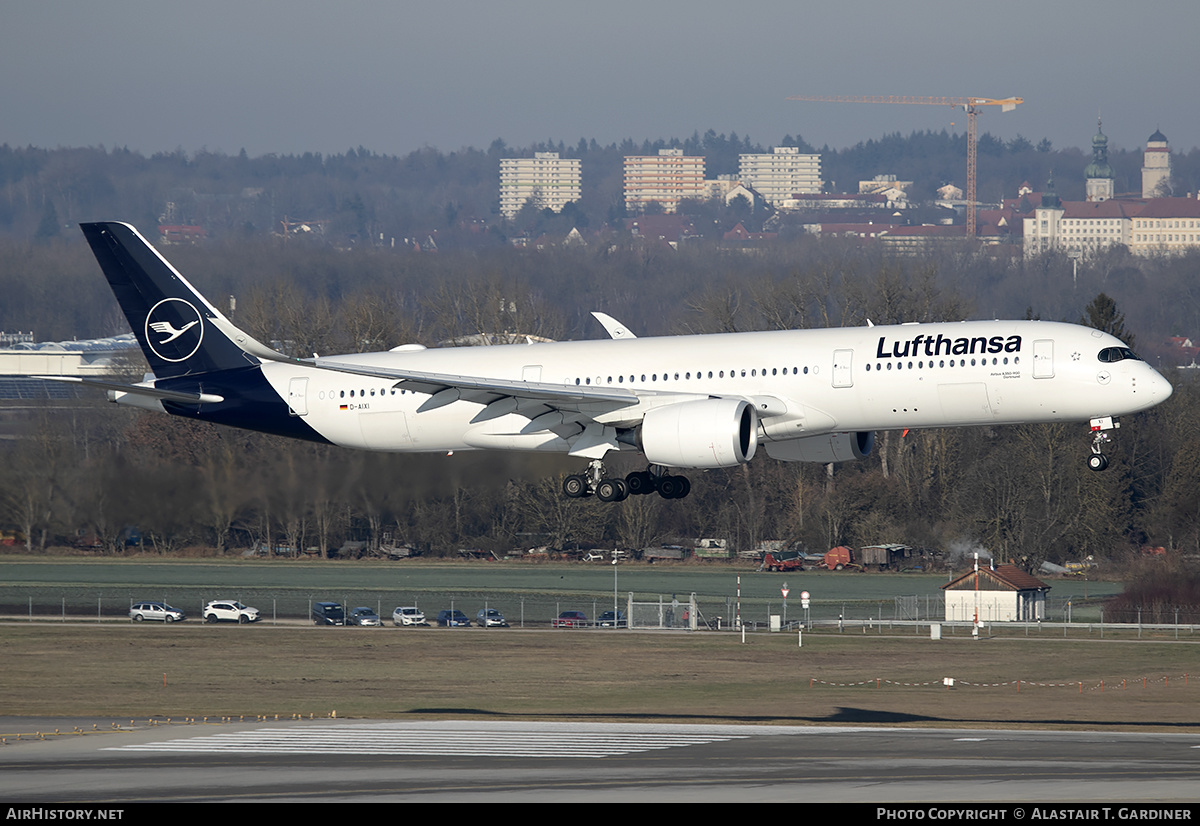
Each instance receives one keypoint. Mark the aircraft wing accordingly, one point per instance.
(477, 388)
(587, 416)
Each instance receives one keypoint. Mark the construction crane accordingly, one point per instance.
(969, 105)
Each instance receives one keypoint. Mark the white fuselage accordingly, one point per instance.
(802, 382)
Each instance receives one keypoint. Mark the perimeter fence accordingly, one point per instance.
(913, 614)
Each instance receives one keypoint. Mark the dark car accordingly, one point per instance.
(328, 613)
(570, 619)
(610, 620)
(364, 616)
(452, 619)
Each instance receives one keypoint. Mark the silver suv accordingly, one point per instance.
(228, 610)
(408, 615)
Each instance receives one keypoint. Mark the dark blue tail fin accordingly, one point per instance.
(179, 331)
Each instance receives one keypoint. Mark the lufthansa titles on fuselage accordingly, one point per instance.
(941, 345)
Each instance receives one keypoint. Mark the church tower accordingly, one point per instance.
(1100, 182)
(1156, 167)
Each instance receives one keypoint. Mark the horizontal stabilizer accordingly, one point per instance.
(142, 390)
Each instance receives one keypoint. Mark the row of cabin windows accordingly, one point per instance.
(774, 371)
(717, 374)
(921, 365)
(364, 393)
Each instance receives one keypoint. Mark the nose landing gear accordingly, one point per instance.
(1101, 428)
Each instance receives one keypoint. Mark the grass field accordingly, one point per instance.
(192, 670)
(1013, 677)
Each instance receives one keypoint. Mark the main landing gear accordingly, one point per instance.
(1101, 428)
(594, 481)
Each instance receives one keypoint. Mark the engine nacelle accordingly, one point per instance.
(828, 447)
(709, 433)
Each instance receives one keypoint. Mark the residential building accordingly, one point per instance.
(780, 175)
(666, 179)
(545, 180)
(662, 230)
(726, 187)
(831, 201)
(883, 184)
(1165, 225)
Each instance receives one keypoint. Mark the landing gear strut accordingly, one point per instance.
(1101, 428)
(595, 482)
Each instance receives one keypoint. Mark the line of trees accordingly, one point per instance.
(1023, 491)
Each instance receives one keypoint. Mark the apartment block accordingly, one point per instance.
(666, 179)
(780, 175)
(545, 180)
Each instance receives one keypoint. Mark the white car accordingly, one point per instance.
(228, 610)
(408, 615)
(159, 611)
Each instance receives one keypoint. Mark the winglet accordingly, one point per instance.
(614, 328)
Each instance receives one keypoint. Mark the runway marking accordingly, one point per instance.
(536, 740)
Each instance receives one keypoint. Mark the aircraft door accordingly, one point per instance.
(298, 397)
(531, 372)
(1043, 359)
(842, 362)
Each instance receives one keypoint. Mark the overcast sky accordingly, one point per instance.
(297, 76)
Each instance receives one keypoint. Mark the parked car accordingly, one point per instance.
(490, 618)
(228, 610)
(570, 619)
(159, 611)
(610, 620)
(452, 619)
(363, 616)
(328, 613)
(408, 615)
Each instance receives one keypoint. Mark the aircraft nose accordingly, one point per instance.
(1160, 388)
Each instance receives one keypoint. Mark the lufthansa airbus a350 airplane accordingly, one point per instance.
(682, 401)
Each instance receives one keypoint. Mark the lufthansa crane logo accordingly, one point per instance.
(174, 329)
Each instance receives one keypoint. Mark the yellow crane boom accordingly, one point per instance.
(968, 104)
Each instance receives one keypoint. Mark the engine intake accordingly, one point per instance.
(709, 433)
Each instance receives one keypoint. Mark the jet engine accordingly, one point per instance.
(709, 433)
(828, 447)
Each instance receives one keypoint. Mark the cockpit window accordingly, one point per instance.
(1111, 354)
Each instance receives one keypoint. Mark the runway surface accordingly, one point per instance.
(469, 761)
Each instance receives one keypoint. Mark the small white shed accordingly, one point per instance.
(1003, 593)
